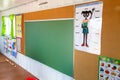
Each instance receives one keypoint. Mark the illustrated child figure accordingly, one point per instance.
(84, 25)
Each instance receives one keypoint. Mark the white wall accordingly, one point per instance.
(34, 6)
(38, 69)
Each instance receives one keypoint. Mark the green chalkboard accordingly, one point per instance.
(51, 43)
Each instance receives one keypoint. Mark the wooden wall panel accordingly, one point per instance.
(111, 29)
(63, 12)
(85, 67)
(22, 39)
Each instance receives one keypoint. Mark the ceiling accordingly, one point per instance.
(6, 4)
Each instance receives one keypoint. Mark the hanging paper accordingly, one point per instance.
(109, 68)
(88, 24)
(13, 46)
(19, 26)
(18, 44)
(6, 44)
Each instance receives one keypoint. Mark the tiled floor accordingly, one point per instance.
(11, 71)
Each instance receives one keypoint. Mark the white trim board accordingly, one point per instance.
(49, 20)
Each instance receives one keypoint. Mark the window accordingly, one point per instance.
(8, 26)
